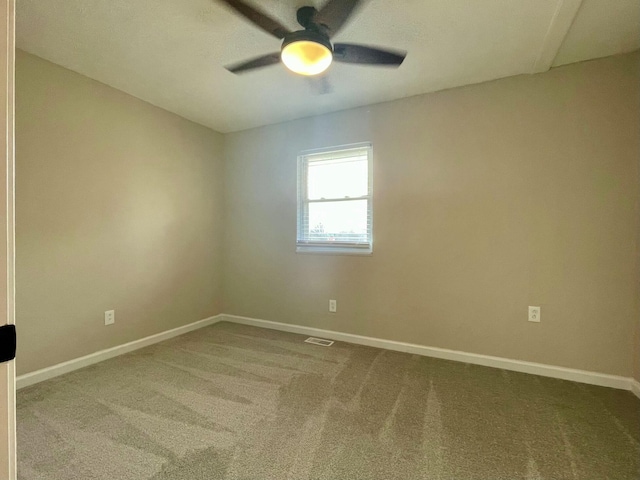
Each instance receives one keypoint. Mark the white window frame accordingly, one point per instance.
(336, 248)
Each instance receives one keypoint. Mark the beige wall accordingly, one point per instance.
(487, 199)
(118, 207)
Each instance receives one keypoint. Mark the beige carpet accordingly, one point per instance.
(237, 402)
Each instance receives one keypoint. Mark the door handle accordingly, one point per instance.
(7, 343)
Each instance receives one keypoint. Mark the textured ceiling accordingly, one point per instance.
(601, 28)
(171, 53)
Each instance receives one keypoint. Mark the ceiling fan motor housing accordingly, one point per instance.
(308, 36)
(306, 16)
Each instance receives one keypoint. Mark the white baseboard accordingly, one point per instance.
(582, 376)
(66, 367)
(635, 387)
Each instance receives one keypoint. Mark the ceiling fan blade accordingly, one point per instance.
(351, 53)
(335, 14)
(259, 62)
(258, 18)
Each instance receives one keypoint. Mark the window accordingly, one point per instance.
(334, 200)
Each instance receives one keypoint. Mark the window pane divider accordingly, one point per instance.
(325, 200)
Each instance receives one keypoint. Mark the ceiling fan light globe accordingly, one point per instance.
(306, 57)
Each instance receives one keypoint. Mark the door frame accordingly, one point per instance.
(8, 468)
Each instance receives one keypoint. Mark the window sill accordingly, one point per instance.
(316, 250)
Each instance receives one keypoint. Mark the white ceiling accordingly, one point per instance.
(171, 53)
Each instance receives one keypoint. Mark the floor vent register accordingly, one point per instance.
(319, 341)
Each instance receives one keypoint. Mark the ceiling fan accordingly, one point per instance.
(310, 51)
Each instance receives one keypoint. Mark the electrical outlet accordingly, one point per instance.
(109, 317)
(534, 314)
(333, 306)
